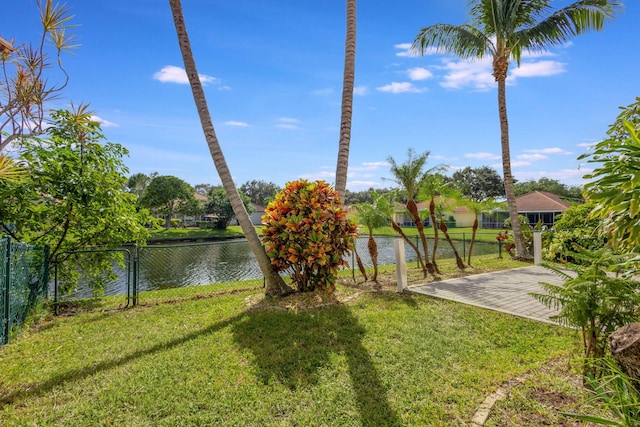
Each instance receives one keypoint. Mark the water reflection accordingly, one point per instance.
(174, 266)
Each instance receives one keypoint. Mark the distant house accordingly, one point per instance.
(541, 206)
(536, 206)
(458, 216)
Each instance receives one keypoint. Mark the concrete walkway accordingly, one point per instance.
(506, 291)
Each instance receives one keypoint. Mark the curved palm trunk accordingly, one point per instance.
(521, 248)
(373, 253)
(275, 284)
(434, 224)
(347, 101)
(398, 230)
(413, 210)
(360, 265)
(459, 261)
(473, 240)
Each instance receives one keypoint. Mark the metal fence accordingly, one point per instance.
(24, 273)
(153, 273)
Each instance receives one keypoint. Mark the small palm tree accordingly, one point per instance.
(504, 29)
(410, 176)
(376, 214)
(441, 206)
(477, 208)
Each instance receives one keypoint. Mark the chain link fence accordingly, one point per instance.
(24, 273)
(159, 273)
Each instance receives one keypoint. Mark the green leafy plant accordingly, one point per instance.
(372, 215)
(573, 228)
(615, 183)
(617, 392)
(593, 300)
(307, 234)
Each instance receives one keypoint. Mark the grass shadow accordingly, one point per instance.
(291, 348)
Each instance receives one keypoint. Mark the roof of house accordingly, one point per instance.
(541, 201)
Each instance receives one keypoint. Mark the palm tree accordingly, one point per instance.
(372, 215)
(275, 284)
(410, 177)
(441, 206)
(477, 208)
(505, 29)
(347, 101)
(433, 185)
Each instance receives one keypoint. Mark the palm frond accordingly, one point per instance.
(464, 41)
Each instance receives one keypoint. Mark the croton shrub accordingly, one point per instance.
(307, 234)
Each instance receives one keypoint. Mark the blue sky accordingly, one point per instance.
(273, 80)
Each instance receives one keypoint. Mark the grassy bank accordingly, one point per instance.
(236, 232)
(234, 358)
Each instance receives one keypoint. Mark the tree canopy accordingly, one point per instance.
(166, 195)
(549, 185)
(74, 195)
(219, 206)
(260, 192)
(478, 184)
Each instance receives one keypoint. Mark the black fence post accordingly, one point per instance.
(136, 261)
(45, 270)
(6, 327)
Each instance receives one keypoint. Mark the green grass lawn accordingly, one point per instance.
(237, 359)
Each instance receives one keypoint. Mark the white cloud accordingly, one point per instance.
(358, 185)
(236, 124)
(370, 166)
(419, 73)
(551, 150)
(324, 175)
(405, 49)
(360, 90)
(476, 74)
(567, 176)
(537, 69)
(400, 87)
(481, 156)
(288, 120)
(103, 123)
(173, 74)
(531, 157)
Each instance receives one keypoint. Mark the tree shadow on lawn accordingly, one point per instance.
(292, 347)
(289, 347)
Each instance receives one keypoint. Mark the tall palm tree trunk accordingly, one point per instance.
(347, 101)
(274, 283)
(521, 248)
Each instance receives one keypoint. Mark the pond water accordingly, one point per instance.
(180, 265)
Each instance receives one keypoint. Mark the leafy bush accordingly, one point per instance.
(307, 234)
(573, 229)
(617, 391)
(156, 222)
(175, 222)
(592, 299)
